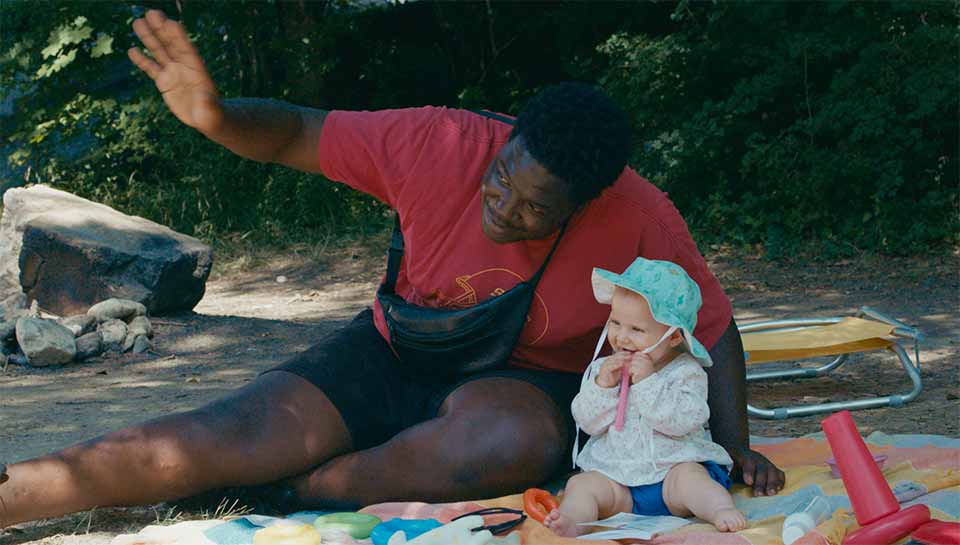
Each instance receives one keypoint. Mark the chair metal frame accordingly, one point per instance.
(901, 330)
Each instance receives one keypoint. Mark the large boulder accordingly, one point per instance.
(68, 253)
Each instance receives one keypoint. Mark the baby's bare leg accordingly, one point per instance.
(688, 489)
(588, 497)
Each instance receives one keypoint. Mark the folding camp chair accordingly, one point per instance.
(802, 339)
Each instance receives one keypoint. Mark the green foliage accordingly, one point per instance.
(88, 122)
(826, 124)
(829, 124)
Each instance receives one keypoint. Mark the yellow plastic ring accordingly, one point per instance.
(287, 534)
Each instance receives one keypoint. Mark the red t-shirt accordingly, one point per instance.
(427, 163)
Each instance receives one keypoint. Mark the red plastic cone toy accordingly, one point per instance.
(876, 508)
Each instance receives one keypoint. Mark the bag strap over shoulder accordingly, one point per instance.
(588, 375)
(395, 255)
(496, 116)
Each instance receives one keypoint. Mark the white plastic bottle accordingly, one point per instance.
(807, 518)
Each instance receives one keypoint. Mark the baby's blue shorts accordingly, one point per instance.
(648, 498)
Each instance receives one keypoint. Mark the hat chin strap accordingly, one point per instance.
(658, 343)
(588, 375)
(603, 337)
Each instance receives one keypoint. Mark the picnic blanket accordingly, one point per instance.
(919, 468)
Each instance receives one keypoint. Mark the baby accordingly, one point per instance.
(662, 461)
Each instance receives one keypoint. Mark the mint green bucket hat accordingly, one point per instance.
(673, 297)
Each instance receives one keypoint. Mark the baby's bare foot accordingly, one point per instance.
(729, 520)
(561, 524)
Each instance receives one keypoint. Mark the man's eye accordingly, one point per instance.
(536, 209)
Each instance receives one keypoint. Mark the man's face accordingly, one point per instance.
(520, 199)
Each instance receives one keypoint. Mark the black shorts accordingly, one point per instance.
(377, 398)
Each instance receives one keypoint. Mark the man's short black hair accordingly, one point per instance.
(578, 134)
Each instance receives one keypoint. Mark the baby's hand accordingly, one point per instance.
(641, 367)
(610, 369)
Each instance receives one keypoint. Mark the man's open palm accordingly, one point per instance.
(177, 70)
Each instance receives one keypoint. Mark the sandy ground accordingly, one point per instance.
(248, 322)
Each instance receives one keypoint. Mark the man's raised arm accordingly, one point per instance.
(260, 129)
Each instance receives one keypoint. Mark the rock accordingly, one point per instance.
(45, 342)
(8, 337)
(138, 328)
(13, 308)
(81, 324)
(7, 330)
(8, 344)
(128, 341)
(141, 326)
(12, 305)
(89, 346)
(116, 309)
(142, 344)
(113, 333)
(17, 359)
(69, 253)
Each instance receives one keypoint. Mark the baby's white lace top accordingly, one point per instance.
(664, 426)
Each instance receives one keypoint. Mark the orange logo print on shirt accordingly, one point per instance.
(482, 285)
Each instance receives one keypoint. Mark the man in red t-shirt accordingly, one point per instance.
(427, 163)
(481, 204)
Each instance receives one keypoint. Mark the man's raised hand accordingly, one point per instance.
(178, 71)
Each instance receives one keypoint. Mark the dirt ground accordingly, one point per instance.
(249, 321)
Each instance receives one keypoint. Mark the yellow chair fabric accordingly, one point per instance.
(845, 337)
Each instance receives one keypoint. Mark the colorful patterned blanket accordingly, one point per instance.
(920, 469)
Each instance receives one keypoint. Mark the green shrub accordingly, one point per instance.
(86, 121)
(831, 124)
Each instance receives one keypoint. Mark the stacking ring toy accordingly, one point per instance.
(287, 534)
(358, 525)
(538, 503)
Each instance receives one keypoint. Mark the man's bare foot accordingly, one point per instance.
(729, 520)
(561, 524)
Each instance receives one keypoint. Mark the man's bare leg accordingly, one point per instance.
(280, 425)
(493, 436)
